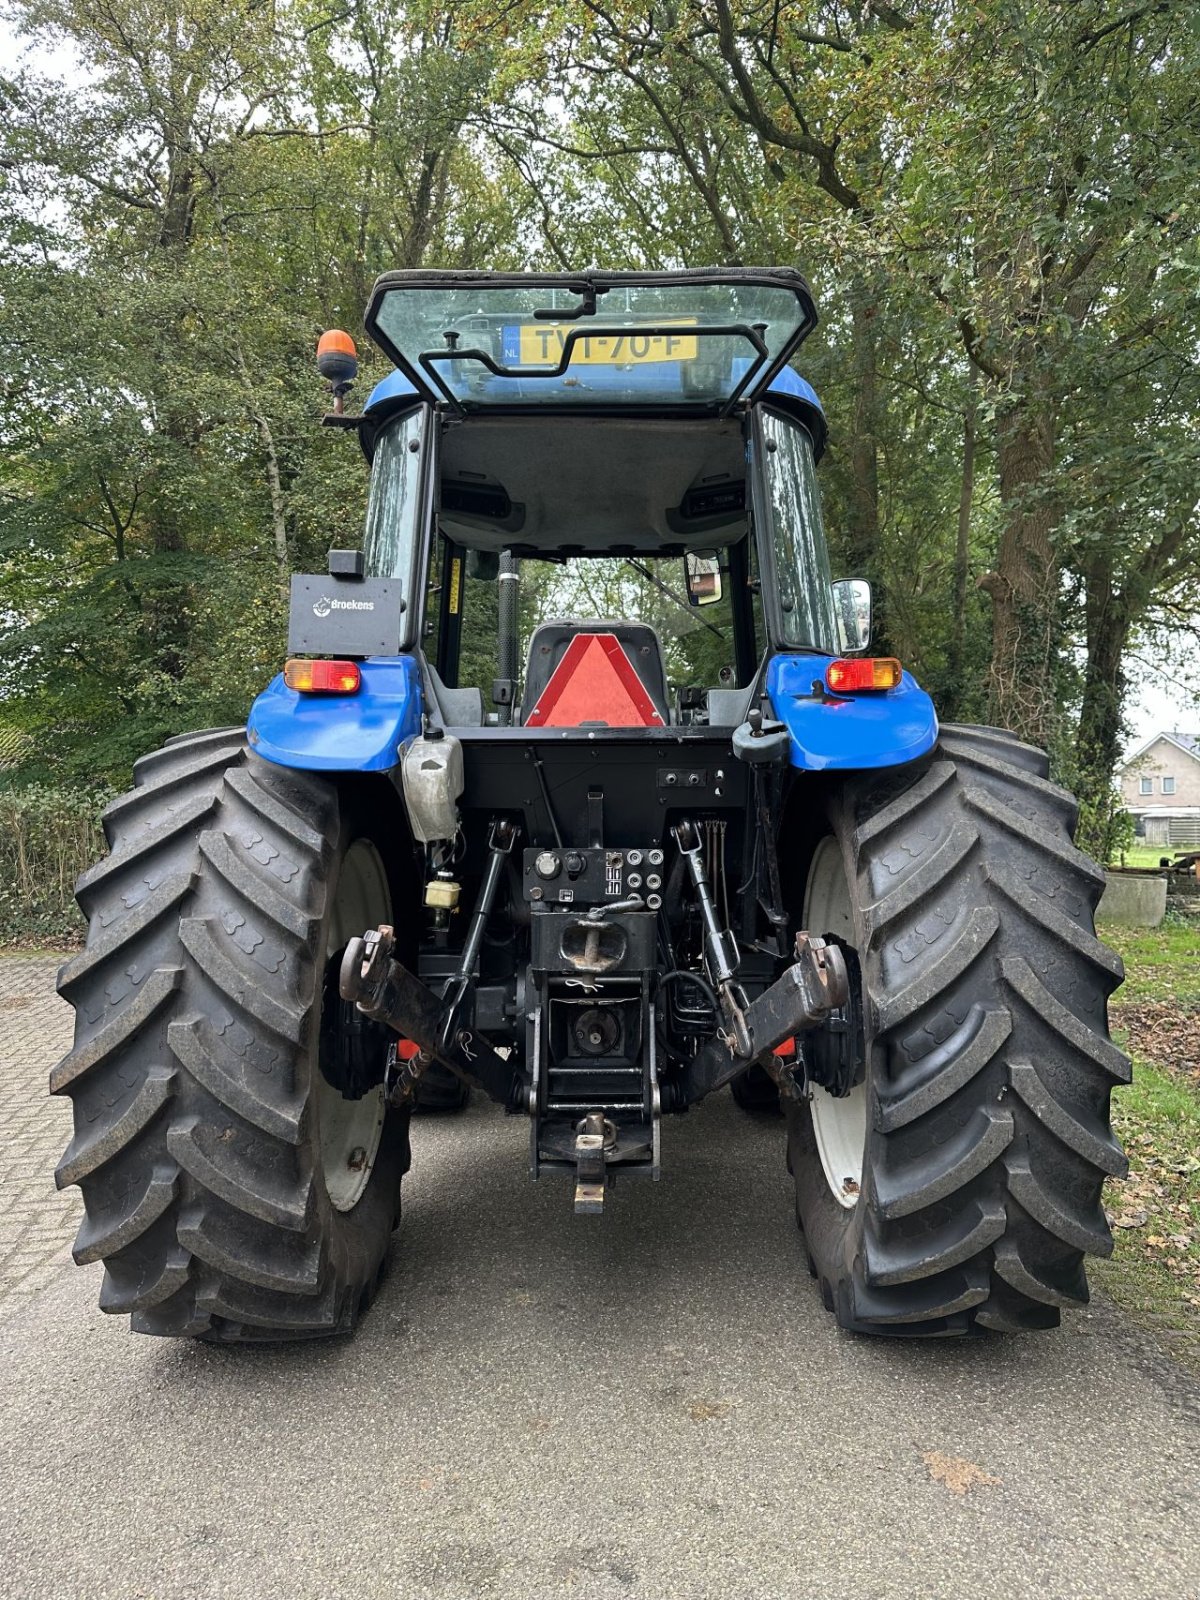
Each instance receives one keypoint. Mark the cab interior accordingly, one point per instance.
(593, 523)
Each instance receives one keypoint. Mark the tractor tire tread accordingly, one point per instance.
(191, 1071)
(986, 991)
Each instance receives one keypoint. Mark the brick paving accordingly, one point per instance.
(37, 1223)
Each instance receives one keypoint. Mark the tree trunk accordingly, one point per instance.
(1024, 586)
(962, 559)
(278, 514)
(165, 608)
(862, 543)
(1098, 744)
(271, 455)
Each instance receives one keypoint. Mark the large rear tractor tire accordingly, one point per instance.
(957, 1187)
(231, 1189)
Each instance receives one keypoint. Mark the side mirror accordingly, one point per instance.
(852, 614)
(703, 577)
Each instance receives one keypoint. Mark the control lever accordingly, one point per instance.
(760, 741)
(633, 903)
(721, 954)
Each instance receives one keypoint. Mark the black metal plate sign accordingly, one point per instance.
(344, 616)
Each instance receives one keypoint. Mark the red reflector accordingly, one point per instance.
(322, 677)
(595, 682)
(787, 1048)
(407, 1049)
(862, 672)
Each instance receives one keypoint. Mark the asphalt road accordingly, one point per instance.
(650, 1404)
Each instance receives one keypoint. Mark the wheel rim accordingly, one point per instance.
(840, 1125)
(349, 1131)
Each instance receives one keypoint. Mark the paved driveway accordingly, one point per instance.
(37, 1223)
(646, 1405)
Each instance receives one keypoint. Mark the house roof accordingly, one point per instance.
(1182, 741)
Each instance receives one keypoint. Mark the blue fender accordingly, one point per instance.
(360, 732)
(839, 733)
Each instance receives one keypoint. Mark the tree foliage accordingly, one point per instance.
(997, 203)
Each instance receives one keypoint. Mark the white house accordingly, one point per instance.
(1160, 785)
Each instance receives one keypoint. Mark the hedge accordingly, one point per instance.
(48, 837)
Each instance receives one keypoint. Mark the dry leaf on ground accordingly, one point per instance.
(1130, 1219)
(1163, 1030)
(708, 1410)
(958, 1474)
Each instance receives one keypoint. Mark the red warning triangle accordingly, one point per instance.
(594, 682)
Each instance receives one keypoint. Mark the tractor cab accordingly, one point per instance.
(558, 453)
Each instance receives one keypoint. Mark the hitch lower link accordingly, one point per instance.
(815, 985)
(386, 991)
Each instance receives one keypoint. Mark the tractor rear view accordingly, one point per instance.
(581, 789)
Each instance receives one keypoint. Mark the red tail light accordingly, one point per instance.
(322, 677)
(862, 672)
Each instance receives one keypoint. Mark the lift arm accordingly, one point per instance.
(813, 986)
(387, 991)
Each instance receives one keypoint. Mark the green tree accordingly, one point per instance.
(980, 177)
(223, 184)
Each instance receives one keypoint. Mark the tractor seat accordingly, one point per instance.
(599, 673)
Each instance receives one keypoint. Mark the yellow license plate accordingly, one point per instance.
(542, 345)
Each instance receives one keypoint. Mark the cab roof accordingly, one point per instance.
(788, 388)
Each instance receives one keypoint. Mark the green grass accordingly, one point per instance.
(1154, 1272)
(1143, 855)
(1160, 963)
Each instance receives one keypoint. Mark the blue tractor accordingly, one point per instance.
(581, 789)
